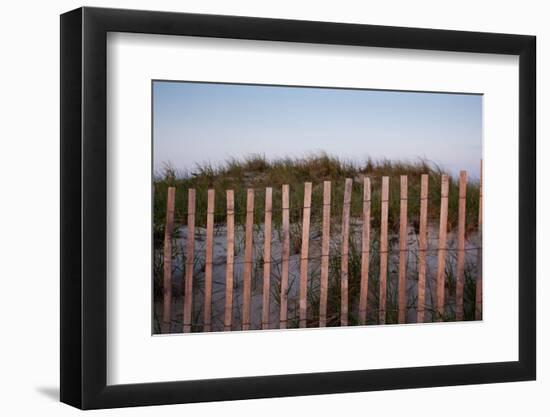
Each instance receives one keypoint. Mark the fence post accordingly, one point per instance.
(167, 284)
(247, 275)
(442, 249)
(423, 246)
(208, 260)
(459, 315)
(230, 259)
(402, 284)
(285, 257)
(345, 253)
(383, 249)
(479, 281)
(325, 246)
(267, 256)
(189, 262)
(305, 254)
(365, 253)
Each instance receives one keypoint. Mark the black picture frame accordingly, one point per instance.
(84, 207)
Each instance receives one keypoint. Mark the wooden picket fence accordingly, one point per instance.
(324, 261)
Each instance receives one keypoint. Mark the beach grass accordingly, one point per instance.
(258, 172)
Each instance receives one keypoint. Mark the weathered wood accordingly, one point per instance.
(442, 248)
(230, 260)
(479, 280)
(247, 274)
(305, 254)
(285, 258)
(383, 249)
(325, 245)
(423, 246)
(403, 250)
(460, 254)
(167, 282)
(208, 261)
(189, 262)
(365, 253)
(267, 256)
(344, 251)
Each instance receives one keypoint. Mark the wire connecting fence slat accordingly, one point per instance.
(285, 258)
(247, 276)
(344, 253)
(189, 262)
(423, 246)
(442, 248)
(383, 249)
(267, 257)
(208, 264)
(325, 247)
(228, 316)
(304, 254)
(167, 304)
(365, 253)
(461, 243)
(402, 284)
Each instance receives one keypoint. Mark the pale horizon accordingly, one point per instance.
(209, 123)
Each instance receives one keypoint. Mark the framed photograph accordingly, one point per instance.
(257, 208)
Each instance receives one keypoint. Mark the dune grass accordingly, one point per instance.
(257, 172)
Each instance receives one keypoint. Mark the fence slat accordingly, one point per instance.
(247, 274)
(189, 262)
(460, 254)
(442, 249)
(167, 279)
(345, 253)
(285, 258)
(208, 261)
(402, 281)
(479, 280)
(383, 249)
(267, 257)
(230, 260)
(325, 245)
(365, 253)
(305, 254)
(423, 246)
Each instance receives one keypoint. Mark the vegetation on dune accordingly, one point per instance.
(257, 172)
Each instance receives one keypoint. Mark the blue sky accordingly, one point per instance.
(202, 122)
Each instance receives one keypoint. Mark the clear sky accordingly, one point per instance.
(201, 122)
